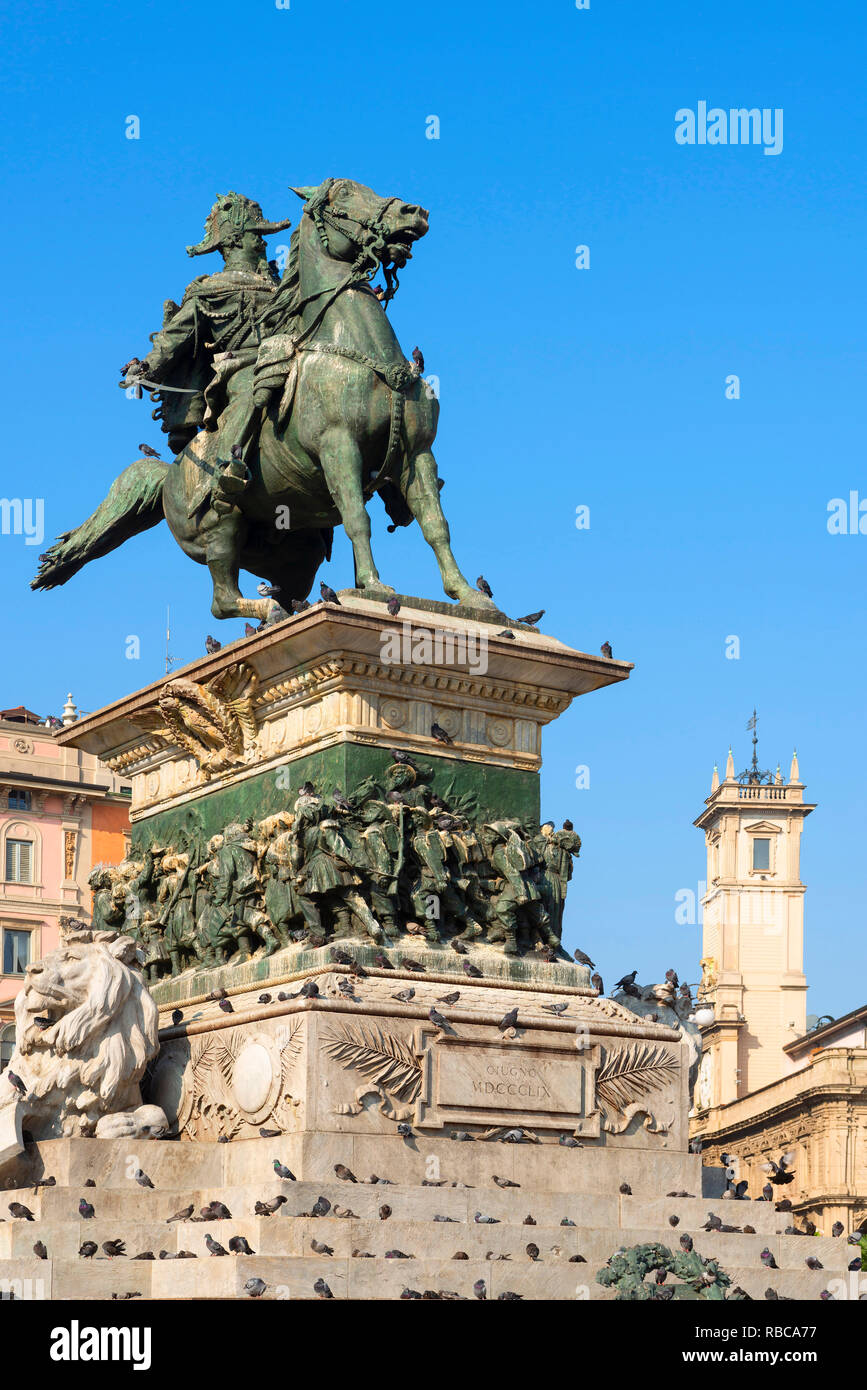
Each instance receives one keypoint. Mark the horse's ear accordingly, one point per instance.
(303, 192)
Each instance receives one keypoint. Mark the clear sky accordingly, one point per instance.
(560, 387)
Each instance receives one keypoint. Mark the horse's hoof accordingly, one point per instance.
(376, 589)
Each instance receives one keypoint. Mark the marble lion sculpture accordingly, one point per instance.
(86, 1028)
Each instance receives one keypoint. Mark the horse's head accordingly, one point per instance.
(355, 223)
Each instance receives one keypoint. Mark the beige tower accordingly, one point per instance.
(753, 930)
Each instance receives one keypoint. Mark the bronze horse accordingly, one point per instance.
(324, 410)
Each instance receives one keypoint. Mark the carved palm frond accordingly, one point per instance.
(227, 1050)
(388, 1060)
(632, 1072)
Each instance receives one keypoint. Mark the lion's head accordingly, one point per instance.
(86, 1028)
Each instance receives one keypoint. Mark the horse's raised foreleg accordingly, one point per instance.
(222, 547)
(420, 487)
(341, 462)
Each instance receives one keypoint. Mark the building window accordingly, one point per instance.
(19, 861)
(16, 952)
(19, 800)
(7, 1045)
(762, 854)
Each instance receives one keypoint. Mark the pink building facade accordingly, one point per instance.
(61, 812)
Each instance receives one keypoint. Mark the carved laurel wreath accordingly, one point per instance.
(214, 722)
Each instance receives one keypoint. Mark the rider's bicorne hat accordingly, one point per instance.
(231, 217)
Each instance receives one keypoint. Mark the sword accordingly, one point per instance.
(160, 386)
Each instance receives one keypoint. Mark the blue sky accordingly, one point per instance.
(559, 386)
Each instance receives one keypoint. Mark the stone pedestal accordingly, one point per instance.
(324, 697)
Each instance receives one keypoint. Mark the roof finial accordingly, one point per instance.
(730, 767)
(714, 781)
(794, 770)
(70, 711)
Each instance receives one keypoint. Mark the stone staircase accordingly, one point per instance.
(578, 1185)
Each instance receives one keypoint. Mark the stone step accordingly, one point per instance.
(182, 1166)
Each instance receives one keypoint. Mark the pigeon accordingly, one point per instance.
(458, 946)
(780, 1171)
(596, 982)
(300, 605)
(321, 1207)
(42, 1022)
(411, 965)
(212, 645)
(328, 594)
(480, 1290)
(626, 981)
(384, 1212)
(142, 1179)
(504, 1182)
(321, 1289)
(449, 998)
(577, 1260)
(40, 1251)
(837, 1228)
(854, 1264)
(484, 587)
(583, 958)
(269, 1133)
(346, 1212)
(713, 1223)
(438, 1021)
(267, 590)
(177, 1016)
(393, 606)
(471, 970)
(509, 1020)
(485, 1220)
(812, 1263)
(148, 452)
(249, 630)
(85, 1210)
(309, 990)
(345, 1174)
(319, 1248)
(826, 1296)
(114, 1249)
(568, 1141)
(625, 1189)
(439, 733)
(183, 1215)
(255, 1287)
(216, 1211)
(606, 650)
(674, 1221)
(226, 1006)
(418, 359)
(509, 1296)
(133, 365)
(555, 1008)
(20, 1212)
(567, 1222)
(405, 1130)
(339, 800)
(283, 1172)
(240, 1246)
(16, 1081)
(382, 961)
(346, 988)
(506, 633)
(686, 1243)
(461, 1135)
(671, 977)
(214, 1246)
(533, 1251)
(398, 1255)
(269, 1208)
(452, 1219)
(783, 1205)
(767, 1259)
(531, 619)
(404, 995)
(88, 1249)
(216, 994)
(767, 1193)
(460, 1255)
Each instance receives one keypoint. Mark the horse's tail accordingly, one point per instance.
(134, 504)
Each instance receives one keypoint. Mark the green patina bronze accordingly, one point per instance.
(288, 404)
(394, 860)
(699, 1279)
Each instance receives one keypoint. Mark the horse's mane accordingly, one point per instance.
(284, 306)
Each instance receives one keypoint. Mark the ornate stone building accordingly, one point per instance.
(61, 812)
(765, 1083)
